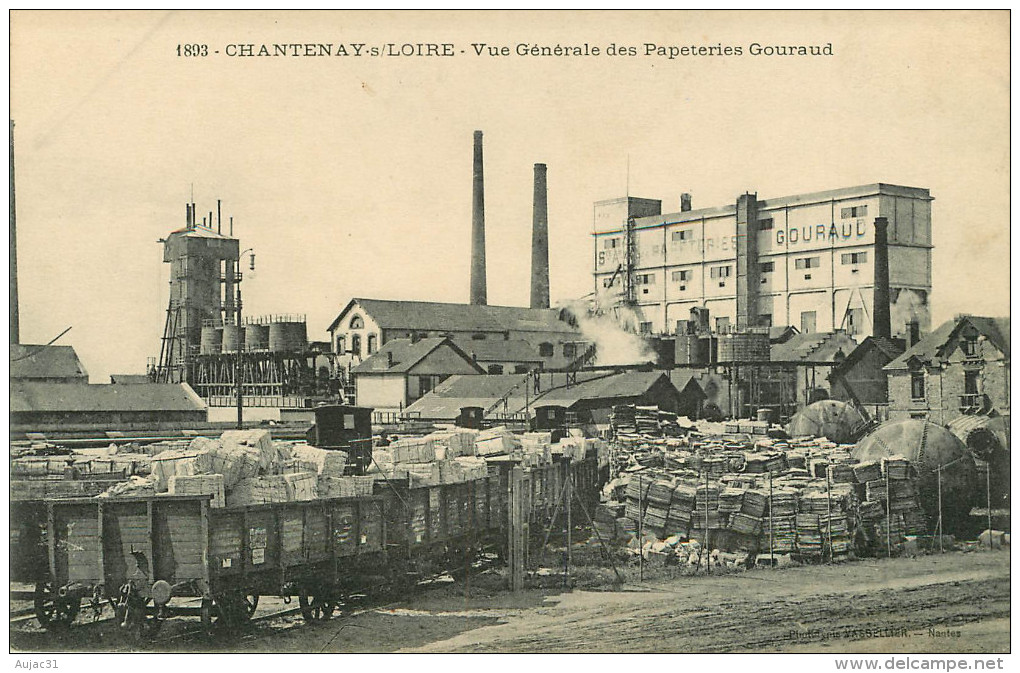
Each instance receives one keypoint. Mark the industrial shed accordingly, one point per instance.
(55, 364)
(40, 406)
(591, 394)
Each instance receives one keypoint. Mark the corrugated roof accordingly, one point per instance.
(405, 354)
(35, 396)
(45, 362)
(436, 316)
(457, 392)
(932, 348)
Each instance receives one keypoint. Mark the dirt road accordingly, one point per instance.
(957, 602)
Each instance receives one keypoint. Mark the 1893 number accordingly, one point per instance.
(192, 50)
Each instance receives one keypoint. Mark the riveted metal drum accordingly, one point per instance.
(288, 337)
(256, 337)
(212, 340)
(232, 338)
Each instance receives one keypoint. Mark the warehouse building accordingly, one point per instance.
(507, 336)
(806, 260)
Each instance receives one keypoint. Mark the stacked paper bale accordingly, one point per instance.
(136, 487)
(260, 442)
(413, 450)
(199, 484)
(302, 486)
(259, 491)
(622, 418)
(680, 513)
(646, 421)
(809, 535)
(496, 441)
(455, 443)
(472, 468)
(659, 497)
(345, 487)
(903, 496)
(307, 458)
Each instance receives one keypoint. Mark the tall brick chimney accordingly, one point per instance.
(882, 323)
(540, 242)
(478, 227)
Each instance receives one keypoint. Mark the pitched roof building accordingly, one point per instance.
(56, 364)
(961, 368)
(515, 335)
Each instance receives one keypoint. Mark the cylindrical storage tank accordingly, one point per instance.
(211, 342)
(744, 347)
(232, 338)
(836, 421)
(928, 447)
(256, 337)
(288, 337)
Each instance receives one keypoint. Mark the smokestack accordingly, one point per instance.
(882, 324)
(478, 227)
(685, 202)
(15, 317)
(540, 243)
(913, 333)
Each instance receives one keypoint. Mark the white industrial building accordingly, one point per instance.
(808, 262)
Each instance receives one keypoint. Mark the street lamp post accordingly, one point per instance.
(238, 359)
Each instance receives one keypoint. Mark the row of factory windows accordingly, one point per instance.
(854, 323)
(764, 224)
(722, 272)
(545, 349)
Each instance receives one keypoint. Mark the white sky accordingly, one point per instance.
(352, 176)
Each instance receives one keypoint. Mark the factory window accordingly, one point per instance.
(765, 225)
(969, 347)
(645, 279)
(520, 369)
(721, 271)
(569, 350)
(341, 345)
(683, 235)
(855, 321)
(372, 343)
(681, 276)
(767, 267)
(722, 324)
(808, 322)
(612, 243)
(545, 350)
(356, 344)
(478, 337)
(495, 369)
(854, 257)
(809, 262)
(645, 328)
(855, 211)
(917, 385)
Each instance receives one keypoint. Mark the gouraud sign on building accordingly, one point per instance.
(809, 257)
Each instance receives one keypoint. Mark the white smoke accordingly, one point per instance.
(910, 306)
(614, 332)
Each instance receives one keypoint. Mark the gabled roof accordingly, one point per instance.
(41, 396)
(437, 316)
(200, 232)
(782, 333)
(446, 400)
(813, 347)
(405, 354)
(932, 348)
(889, 348)
(45, 362)
(499, 350)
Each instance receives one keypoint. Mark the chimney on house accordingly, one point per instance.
(478, 227)
(540, 242)
(913, 332)
(882, 322)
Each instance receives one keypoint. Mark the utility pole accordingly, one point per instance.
(238, 370)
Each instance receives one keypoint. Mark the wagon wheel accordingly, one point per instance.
(52, 610)
(236, 609)
(316, 608)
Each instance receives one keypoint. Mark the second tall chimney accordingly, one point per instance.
(882, 324)
(540, 243)
(478, 227)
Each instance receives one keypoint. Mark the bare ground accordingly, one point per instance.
(874, 605)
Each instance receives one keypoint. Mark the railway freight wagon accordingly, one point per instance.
(151, 558)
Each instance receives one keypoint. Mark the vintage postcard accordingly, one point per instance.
(676, 332)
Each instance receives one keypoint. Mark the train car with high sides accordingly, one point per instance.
(154, 557)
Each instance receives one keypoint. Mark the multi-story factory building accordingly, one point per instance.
(804, 260)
